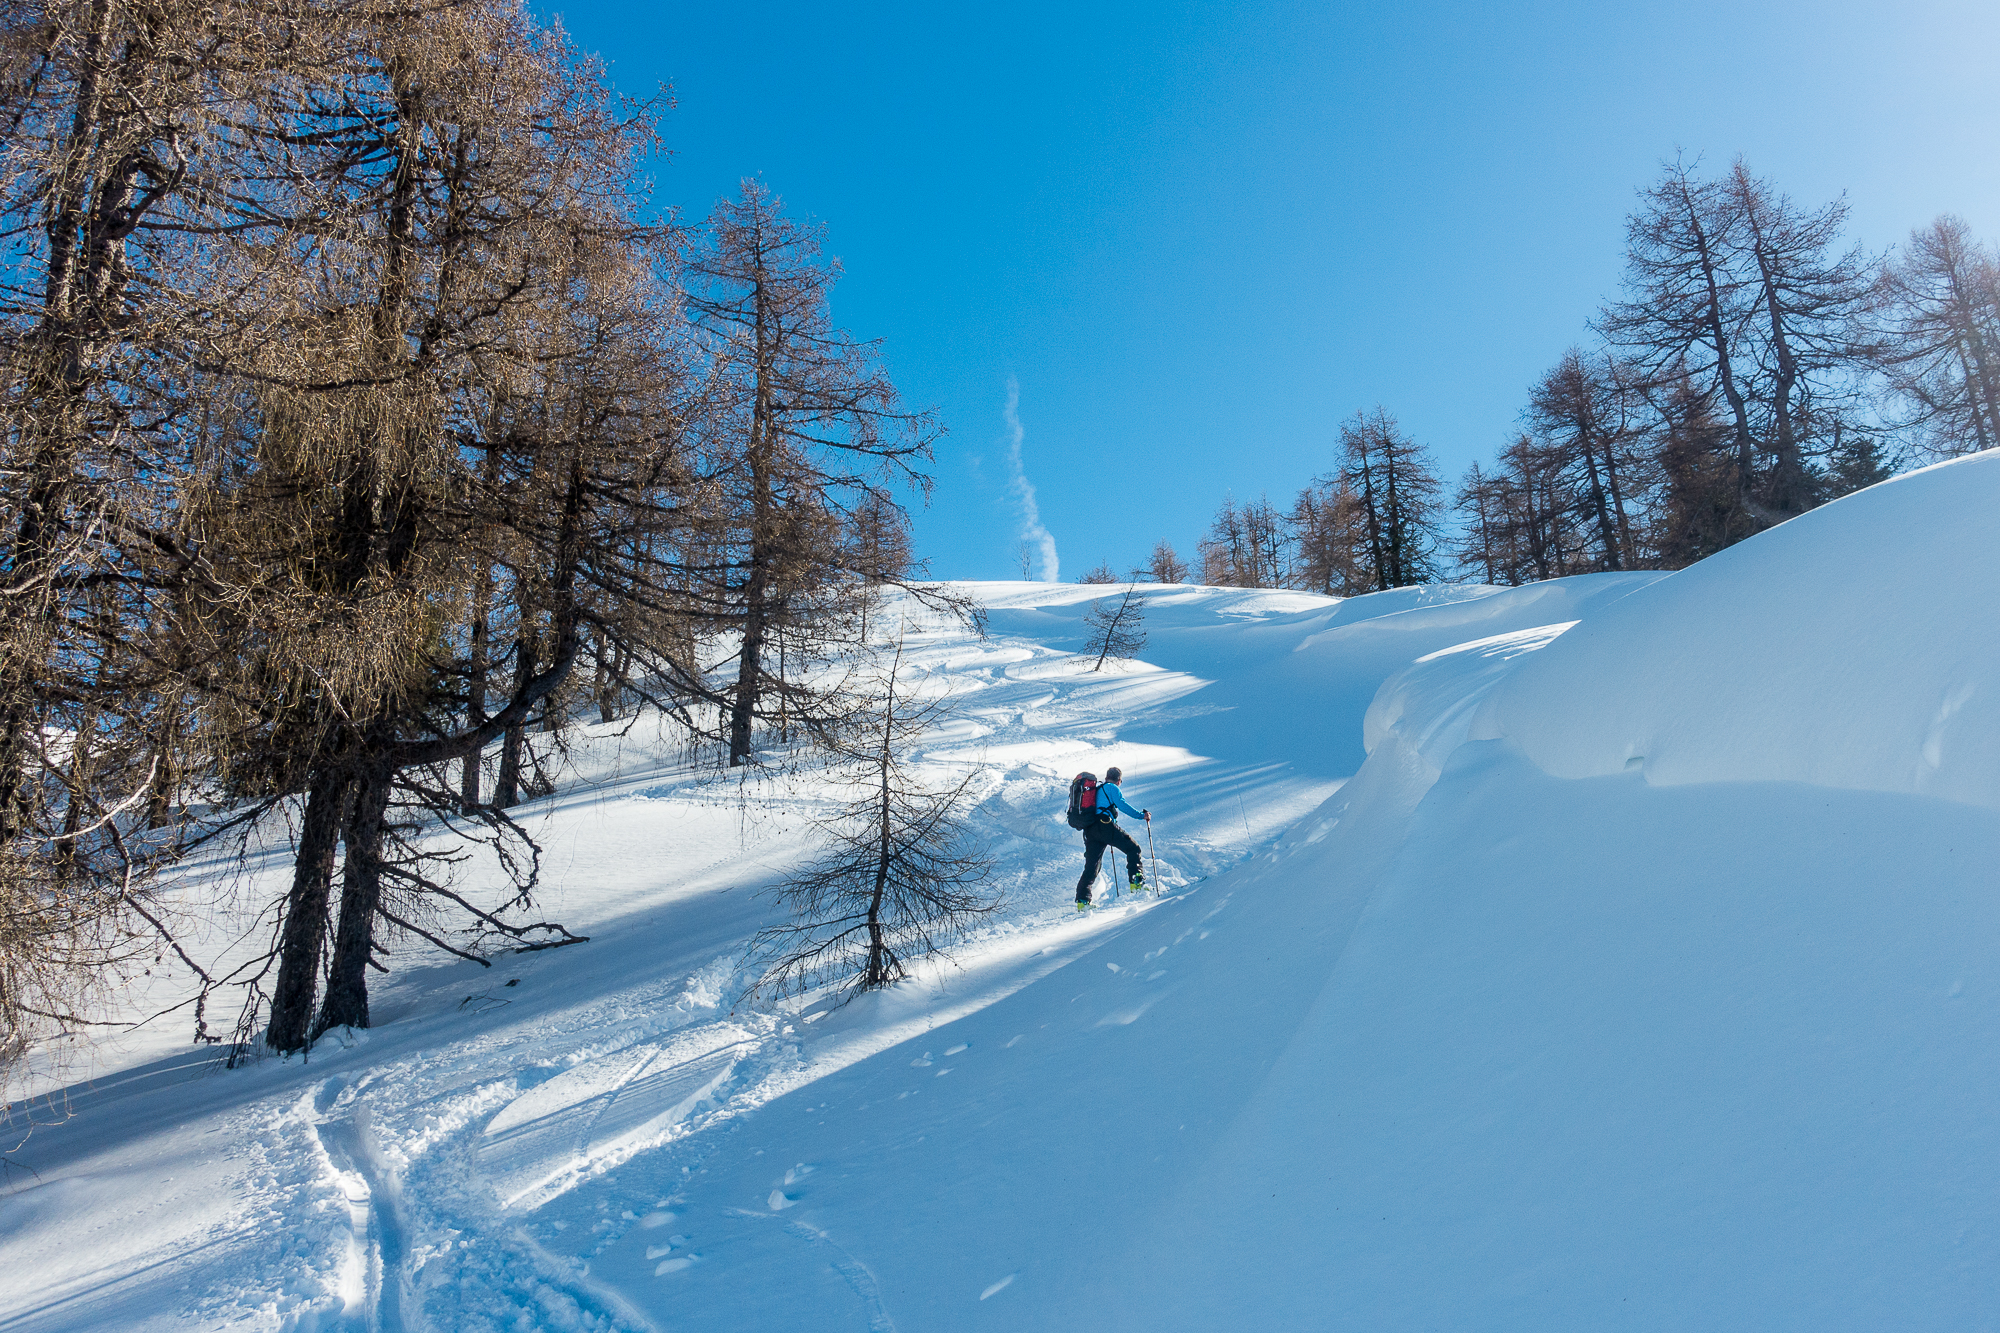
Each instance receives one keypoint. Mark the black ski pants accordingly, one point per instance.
(1096, 837)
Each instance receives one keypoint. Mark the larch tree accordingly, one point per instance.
(1117, 628)
(1584, 412)
(1938, 316)
(1481, 505)
(1809, 296)
(1224, 550)
(902, 875)
(1396, 486)
(1165, 565)
(424, 394)
(1689, 304)
(1246, 546)
(1328, 534)
(806, 428)
(115, 165)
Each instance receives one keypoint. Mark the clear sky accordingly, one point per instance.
(1196, 236)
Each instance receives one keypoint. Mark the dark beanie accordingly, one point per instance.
(1113, 774)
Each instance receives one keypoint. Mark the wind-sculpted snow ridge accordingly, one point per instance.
(1493, 1030)
(1853, 647)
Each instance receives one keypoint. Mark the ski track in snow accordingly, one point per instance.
(423, 1178)
(604, 1138)
(373, 1280)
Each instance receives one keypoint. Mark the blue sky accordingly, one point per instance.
(1196, 236)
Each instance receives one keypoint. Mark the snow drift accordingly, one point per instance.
(1852, 647)
(1646, 975)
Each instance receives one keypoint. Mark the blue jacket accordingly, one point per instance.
(1109, 795)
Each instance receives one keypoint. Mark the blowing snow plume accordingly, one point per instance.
(1032, 531)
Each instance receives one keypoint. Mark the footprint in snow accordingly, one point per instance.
(962, 1046)
(679, 1265)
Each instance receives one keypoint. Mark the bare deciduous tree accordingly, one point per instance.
(1938, 305)
(903, 876)
(1329, 536)
(806, 426)
(1166, 565)
(1397, 487)
(1586, 413)
(1117, 631)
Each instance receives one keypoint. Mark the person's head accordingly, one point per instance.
(1113, 774)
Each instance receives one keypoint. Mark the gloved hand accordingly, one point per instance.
(1148, 815)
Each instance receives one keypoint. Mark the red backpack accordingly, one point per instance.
(1083, 800)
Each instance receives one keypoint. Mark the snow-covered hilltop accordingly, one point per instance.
(1621, 952)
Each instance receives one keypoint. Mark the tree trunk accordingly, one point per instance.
(305, 912)
(507, 789)
(1725, 373)
(611, 692)
(879, 960)
(763, 516)
(1985, 391)
(1628, 548)
(1788, 482)
(475, 694)
(600, 684)
(346, 1002)
(1607, 533)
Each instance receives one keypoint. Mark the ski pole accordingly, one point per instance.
(1149, 852)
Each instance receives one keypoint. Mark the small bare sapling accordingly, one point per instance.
(1117, 627)
(902, 875)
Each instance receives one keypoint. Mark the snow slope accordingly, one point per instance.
(1853, 647)
(1643, 976)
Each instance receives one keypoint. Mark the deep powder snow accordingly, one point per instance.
(1612, 953)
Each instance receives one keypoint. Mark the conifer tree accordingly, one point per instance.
(1584, 412)
(1166, 565)
(1809, 298)
(1328, 534)
(1247, 546)
(1396, 485)
(806, 429)
(902, 875)
(1938, 315)
(1117, 629)
(110, 162)
(1689, 302)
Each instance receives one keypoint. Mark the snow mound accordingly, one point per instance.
(1853, 647)
(1646, 975)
